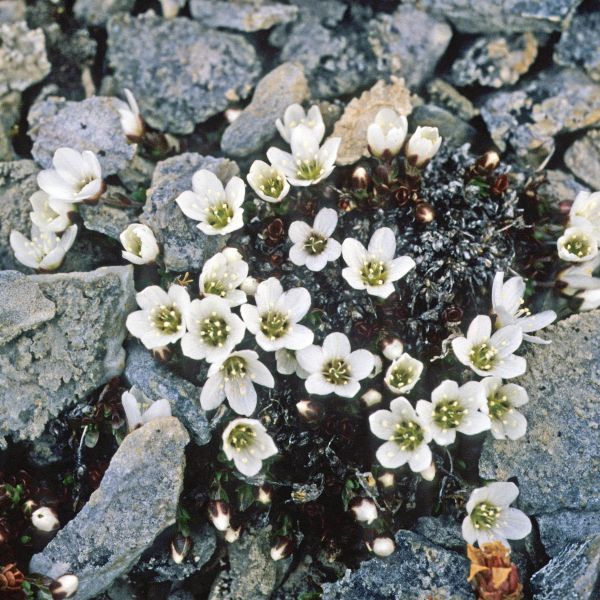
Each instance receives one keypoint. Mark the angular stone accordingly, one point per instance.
(417, 570)
(557, 462)
(579, 45)
(583, 158)
(97, 12)
(66, 357)
(559, 186)
(243, 15)
(443, 94)
(10, 111)
(105, 219)
(92, 124)
(452, 128)
(184, 247)
(278, 89)
(136, 501)
(408, 43)
(157, 381)
(189, 74)
(574, 574)
(443, 531)
(566, 527)
(12, 11)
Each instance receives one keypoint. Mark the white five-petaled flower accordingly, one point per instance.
(139, 244)
(387, 133)
(334, 368)
(274, 319)
(45, 251)
(219, 209)
(49, 214)
(223, 274)
(490, 518)
(587, 206)
(234, 379)
(139, 410)
(313, 246)
(375, 269)
(247, 443)
(579, 242)
(502, 400)
(364, 510)
(407, 436)
(161, 320)
(403, 374)
(76, 176)
(453, 409)
(489, 354)
(268, 182)
(507, 300)
(131, 120)
(287, 363)
(580, 282)
(213, 331)
(294, 115)
(308, 163)
(423, 146)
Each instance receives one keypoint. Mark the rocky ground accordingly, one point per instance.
(522, 77)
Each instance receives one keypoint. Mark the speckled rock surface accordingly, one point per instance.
(136, 501)
(559, 186)
(453, 129)
(97, 12)
(106, 219)
(443, 531)
(10, 111)
(579, 45)
(443, 94)
(12, 11)
(583, 158)
(562, 528)
(191, 74)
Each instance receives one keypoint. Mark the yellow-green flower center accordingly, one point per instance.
(485, 515)
(401, 375)
(373, 272)
(274, 324)
(214, 331)
(483, 356)
(215, 287)
(234, 367)
(315, 244)
(241, 436)
(134, 244)
(337, 372)
(309, 170)
(578, 245)
(448, 414)
(166, 318)
(219, 215)
(498, 406)
(408, 435)
(272, 186)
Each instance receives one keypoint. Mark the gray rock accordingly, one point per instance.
(190, 72)
(137, 174)
(92, 124)
(443, 94)
(452, 128)
(157, 381)
(495, 61)
(443, 531)
(557, 462)
(408, 43)
(96, 13)
(508, 16)
(105, 219)
(184, 246)
(68, 355)
(565, 527)
(278, 89)
(526, 120)
(583, 158)
(579, 45)
(12, 11)
(10, 111)
(417, 570)
(559, 186)
(243, 15)
(23, 59)
(137, 499)
(574, 574)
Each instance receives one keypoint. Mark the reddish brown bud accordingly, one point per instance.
(424, 212)
(360, 178)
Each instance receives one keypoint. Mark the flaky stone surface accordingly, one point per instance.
(583, 158)
(10, 111)
(97, 12)
(566, 527)
(559, 186)
(579, 45)
(443, 94)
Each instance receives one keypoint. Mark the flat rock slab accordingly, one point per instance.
(583, 158)
(556, 464)
(579, 45)
(566, 527)
(67, 354)
(137, 500)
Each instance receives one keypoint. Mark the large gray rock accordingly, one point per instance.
(559, 186)
(108, 220)
(443, 94)
(97, 12)
(562, 528)
(283, 86)
(92, 124)
(583, 158)
(137, 500)
(417, 570)
(56, 356)
(574, 574)
(557, 462)
(443, 531)
(184, 246)
(10, 112)
(12, 11)
(189, 74)
(579, 45)
(452, 128)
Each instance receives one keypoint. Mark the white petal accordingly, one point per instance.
(296, 303)
(316, 263)
(515, 426)
(336, 345)
(213, 392)
(241, 395)
(469, 532)
(507, 339)
(191, 205)
(509, 367)
(310, 358)
(473, 423)
(247, 464)
(325, 222)
(316, 384)
(205, 182)
(299, 231)
(354, 253)
(480, 330)
(399, 267)
(390, 456)
(382, 423)
(514, 524)
(160, 408)
(420, 458)
(361, 363)
(383, 244)
(461, 348)
(267, 293)
(502, 493)
(299, 337)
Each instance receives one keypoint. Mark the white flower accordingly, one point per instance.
(591, 299)
(287, 363)
(162, 318)
(274, 319)
(387, 133)
(65, 586)
(223, 274)
(247, 443)
(580, 277)
(490, 518)
(393, 348)
(364, 510)
(139, 243)
(403, 374)
(75, 177)
(453, 409)
(218, 209)
(308, 163)
(131, 120)
(502, 400)
(282, 548)
(213, 331)
(294, 115)
(45, 519)
(45, 251)
(140, 410)
(489, 354)
(587, 206)
(334, 368)
(249, 285)
(268, 182)
(579, 242)
(220, 514)
(234, 379)
(375, 269)
(407, 437)
(313, 246)
(49, 214)
(423, 145)
(382, 546)
(507, 299)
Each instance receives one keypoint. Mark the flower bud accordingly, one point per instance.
(488, 161)
(424, 212)
(249, 285)
(64, 587)
(219, 514)
(382, 546)
(232, 534)
(231, 114)
(180, 547)
(429, 473)
(578, 243)
(371, 398)
(309, 410)
(387, 480)
(265, 494)
(392, 348)
(162, 353)
(364, 510)
(377, 366)
(360, 178)
(282, 548)
(423, 146)
(28, 507)
(45, 519)
(386, 134)
(170, 8)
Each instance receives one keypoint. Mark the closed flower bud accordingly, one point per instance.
(249, 285)
(424, 212)
(64, 587)
(28, 507)
(219, 514)
(429, 473)
(265, 494)
(392, 348)
(231, 114)
(360, 178)
(387, 480)
(423, 146)
(382, 546)
(364, 510)
(386, 134)
(162, 353)
(309, 410)
(489, 161)
(282, 548)
(232, 534)
(45, 519)
(180, 547)
(371, 398)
